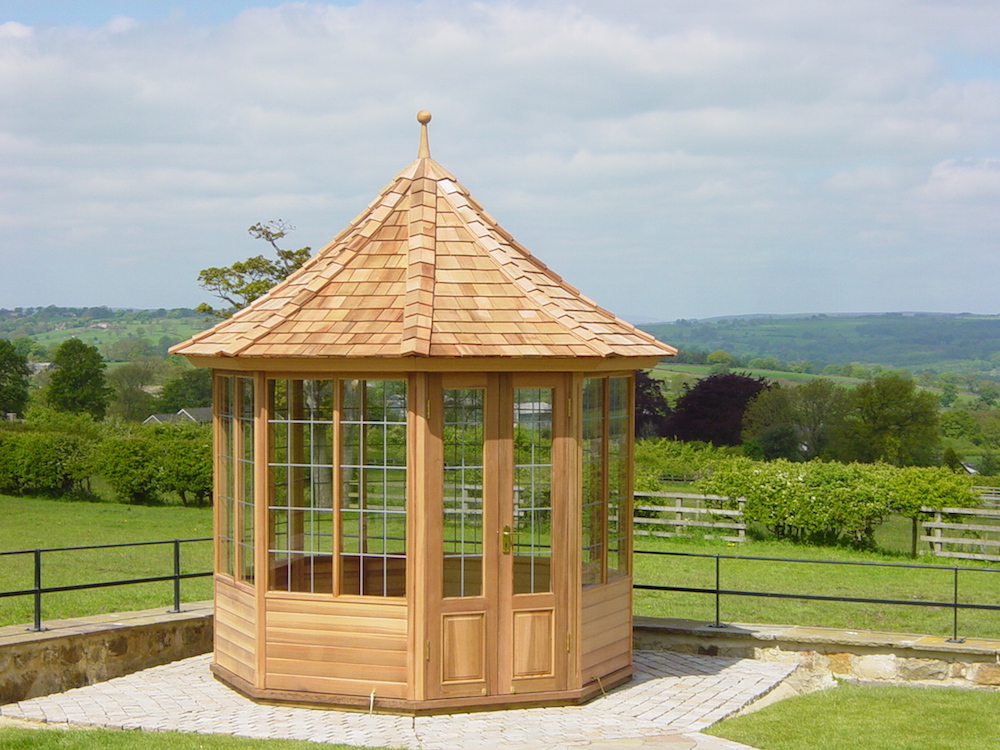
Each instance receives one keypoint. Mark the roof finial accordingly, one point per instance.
(423, 117)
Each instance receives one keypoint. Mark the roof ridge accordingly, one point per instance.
(421, 264)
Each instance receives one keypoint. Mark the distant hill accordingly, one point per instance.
(915, 341)
(118, 334)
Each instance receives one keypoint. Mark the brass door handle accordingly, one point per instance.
(506, 537)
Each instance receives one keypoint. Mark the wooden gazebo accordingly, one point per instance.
(423, 457)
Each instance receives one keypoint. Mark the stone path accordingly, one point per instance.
(671, 698)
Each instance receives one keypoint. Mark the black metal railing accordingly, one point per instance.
(717, 591)
(38, 590)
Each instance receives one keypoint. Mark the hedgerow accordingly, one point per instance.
(823, 501)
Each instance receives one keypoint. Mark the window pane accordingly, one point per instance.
(301, 485)
(243, 450)
(225, 466)
(593, 481)
(619, 500)
(532, 529)
(463, 492)
(373, 487)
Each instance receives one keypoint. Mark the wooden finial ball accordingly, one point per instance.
(423, 117)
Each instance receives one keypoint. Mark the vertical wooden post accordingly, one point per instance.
(937, 532)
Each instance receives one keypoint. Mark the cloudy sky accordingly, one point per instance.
(672, 159)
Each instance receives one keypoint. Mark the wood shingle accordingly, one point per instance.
(423, 271)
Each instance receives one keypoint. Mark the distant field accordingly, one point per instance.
(667, 370)
(943, 342)
(102, 333)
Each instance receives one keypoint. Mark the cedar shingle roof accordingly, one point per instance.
(424, 271)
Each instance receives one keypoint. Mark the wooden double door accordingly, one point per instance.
(497, 614)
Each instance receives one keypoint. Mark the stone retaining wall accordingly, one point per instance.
(825, 653)
(73, 653)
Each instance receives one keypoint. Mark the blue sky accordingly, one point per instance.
(671, 159)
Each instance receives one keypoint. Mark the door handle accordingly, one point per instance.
(506, 537)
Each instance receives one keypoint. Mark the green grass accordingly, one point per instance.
(852, 717)
(30, 523)
(14, 738)
(906, 584)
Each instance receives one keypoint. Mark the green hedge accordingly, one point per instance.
(138, 463)
(827, 501)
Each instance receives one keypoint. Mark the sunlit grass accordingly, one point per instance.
(13, 738)
(852, 717)
(30, 523)
(904, 583)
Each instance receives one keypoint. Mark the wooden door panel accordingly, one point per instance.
(463, 647)
(533, 643)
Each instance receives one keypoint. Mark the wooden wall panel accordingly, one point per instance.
(336, 646)
(606, 628)
(235, 629)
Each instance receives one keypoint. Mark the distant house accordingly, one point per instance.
(199, 414)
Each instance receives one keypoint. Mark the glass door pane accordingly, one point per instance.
(463, 491)
(530, 535)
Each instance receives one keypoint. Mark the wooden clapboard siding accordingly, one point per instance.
(235, 628)
(606, 628)
(336, 646)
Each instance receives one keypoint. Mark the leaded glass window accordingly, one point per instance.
(462, 492)
(301, 477)
(373, 487)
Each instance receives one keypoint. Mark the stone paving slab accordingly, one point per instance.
(671, 698)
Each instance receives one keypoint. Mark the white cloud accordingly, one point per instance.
(670, 159)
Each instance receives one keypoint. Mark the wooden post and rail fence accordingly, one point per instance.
(672, 514)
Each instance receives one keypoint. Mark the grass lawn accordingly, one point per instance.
(30, 523)
(975, 585)
(853, 717)
(14, 738)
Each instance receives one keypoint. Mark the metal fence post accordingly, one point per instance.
(717, 623)
(177, 575)
(954, 610)
(38, 591)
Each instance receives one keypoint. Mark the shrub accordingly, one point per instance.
(131, 469)
(47, 463)
(185, 456)
(830, 501)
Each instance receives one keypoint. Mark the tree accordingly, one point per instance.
(190, 389)
(241, 283)
(721, 361)
(949, 394)
(819, 406)
(769, 425)
(186, 457)
(78, 383)
(889, 419)
(14, 374)
(712, 411)
(651, 409)
(132, 401)
(951, 459)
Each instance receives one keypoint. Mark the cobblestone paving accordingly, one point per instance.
(670, 699)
